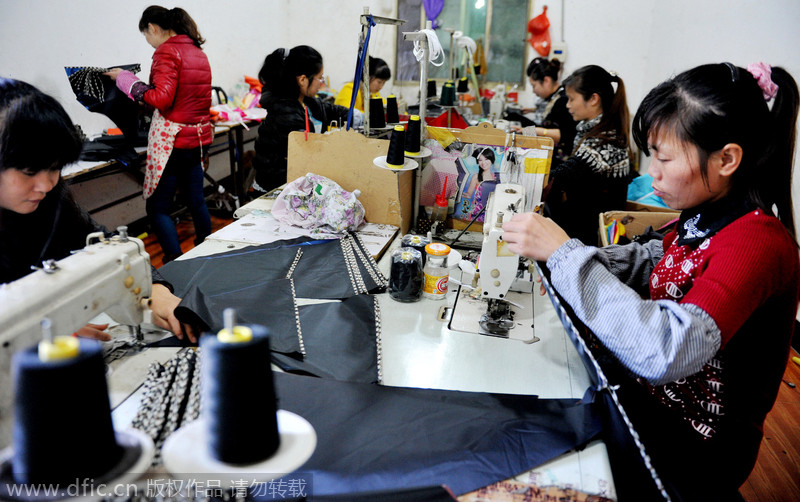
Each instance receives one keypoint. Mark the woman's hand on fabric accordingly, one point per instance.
(95, 332)
(113, 73)
(533, 236)
(163, 303)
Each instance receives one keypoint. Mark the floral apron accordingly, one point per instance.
(160, 142)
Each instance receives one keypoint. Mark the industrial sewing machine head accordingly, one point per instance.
(110, 275)
(497, 266)
(499, 302)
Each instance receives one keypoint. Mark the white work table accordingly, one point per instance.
(418, 350)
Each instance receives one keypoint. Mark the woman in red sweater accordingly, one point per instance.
(180, 92)
(704, 320)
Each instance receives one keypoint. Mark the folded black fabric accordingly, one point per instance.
(269, 304)
(373, 438)
(341, 340)
(337, 339)
(109, 148)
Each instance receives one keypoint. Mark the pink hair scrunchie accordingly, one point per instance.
(763, 75)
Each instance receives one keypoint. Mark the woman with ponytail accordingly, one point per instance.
(290, 80)
(702, 322)
(180, 92)
(595, 177)
(550, 117)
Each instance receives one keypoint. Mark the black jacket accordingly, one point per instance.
(284, 116)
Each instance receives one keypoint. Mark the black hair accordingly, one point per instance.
(593, 79)
(281, 68)
(175, 19)
(29, 117)
(540, 68)
(713, 105)
(488, 153)
(378, 68)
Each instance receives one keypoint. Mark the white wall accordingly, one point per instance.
(38, 38)
(644, 41)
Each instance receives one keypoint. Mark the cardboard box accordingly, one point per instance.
(347, 157)
(636, 222)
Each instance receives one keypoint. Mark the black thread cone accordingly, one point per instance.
(392, 114)
(463, 85)
(412, 136)
(232, 374)
(395, 158)
(377, 118)
(431, 88)
(448, 95)
(62, 418)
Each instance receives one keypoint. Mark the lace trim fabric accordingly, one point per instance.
(297, 320)
(378, 340)
(171, 398)
(88, 80)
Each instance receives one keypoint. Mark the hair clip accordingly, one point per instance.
(734, 72)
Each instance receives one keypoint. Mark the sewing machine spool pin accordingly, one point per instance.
(47, 329)
(48, 267)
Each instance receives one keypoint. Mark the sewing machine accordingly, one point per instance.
(108, 275)
(493, 306)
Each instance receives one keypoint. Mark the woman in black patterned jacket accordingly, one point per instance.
(595, 177)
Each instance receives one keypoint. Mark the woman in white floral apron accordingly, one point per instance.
(180, 92)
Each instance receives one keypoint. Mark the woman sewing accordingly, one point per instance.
(291, 80)
(379, 73)
(39, 219)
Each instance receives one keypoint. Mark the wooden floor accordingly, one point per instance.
(776, 477)
(185, 235)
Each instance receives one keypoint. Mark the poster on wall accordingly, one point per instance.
(468, 174)
(479, 174)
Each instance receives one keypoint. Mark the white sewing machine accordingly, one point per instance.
(108, 275)
(493, 307)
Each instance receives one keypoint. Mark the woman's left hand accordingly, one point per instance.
(163, 303)
(534, 236)
(113, 73)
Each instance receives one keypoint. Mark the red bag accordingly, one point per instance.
(538, 27)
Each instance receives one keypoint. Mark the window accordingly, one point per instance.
(500, 27)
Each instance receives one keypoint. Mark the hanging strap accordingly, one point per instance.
(305, 108)
(357, 79)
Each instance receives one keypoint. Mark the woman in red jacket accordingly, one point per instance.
(180, 92)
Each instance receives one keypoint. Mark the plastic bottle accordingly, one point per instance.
(440, 206)
(436, 271)
(440, 209)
